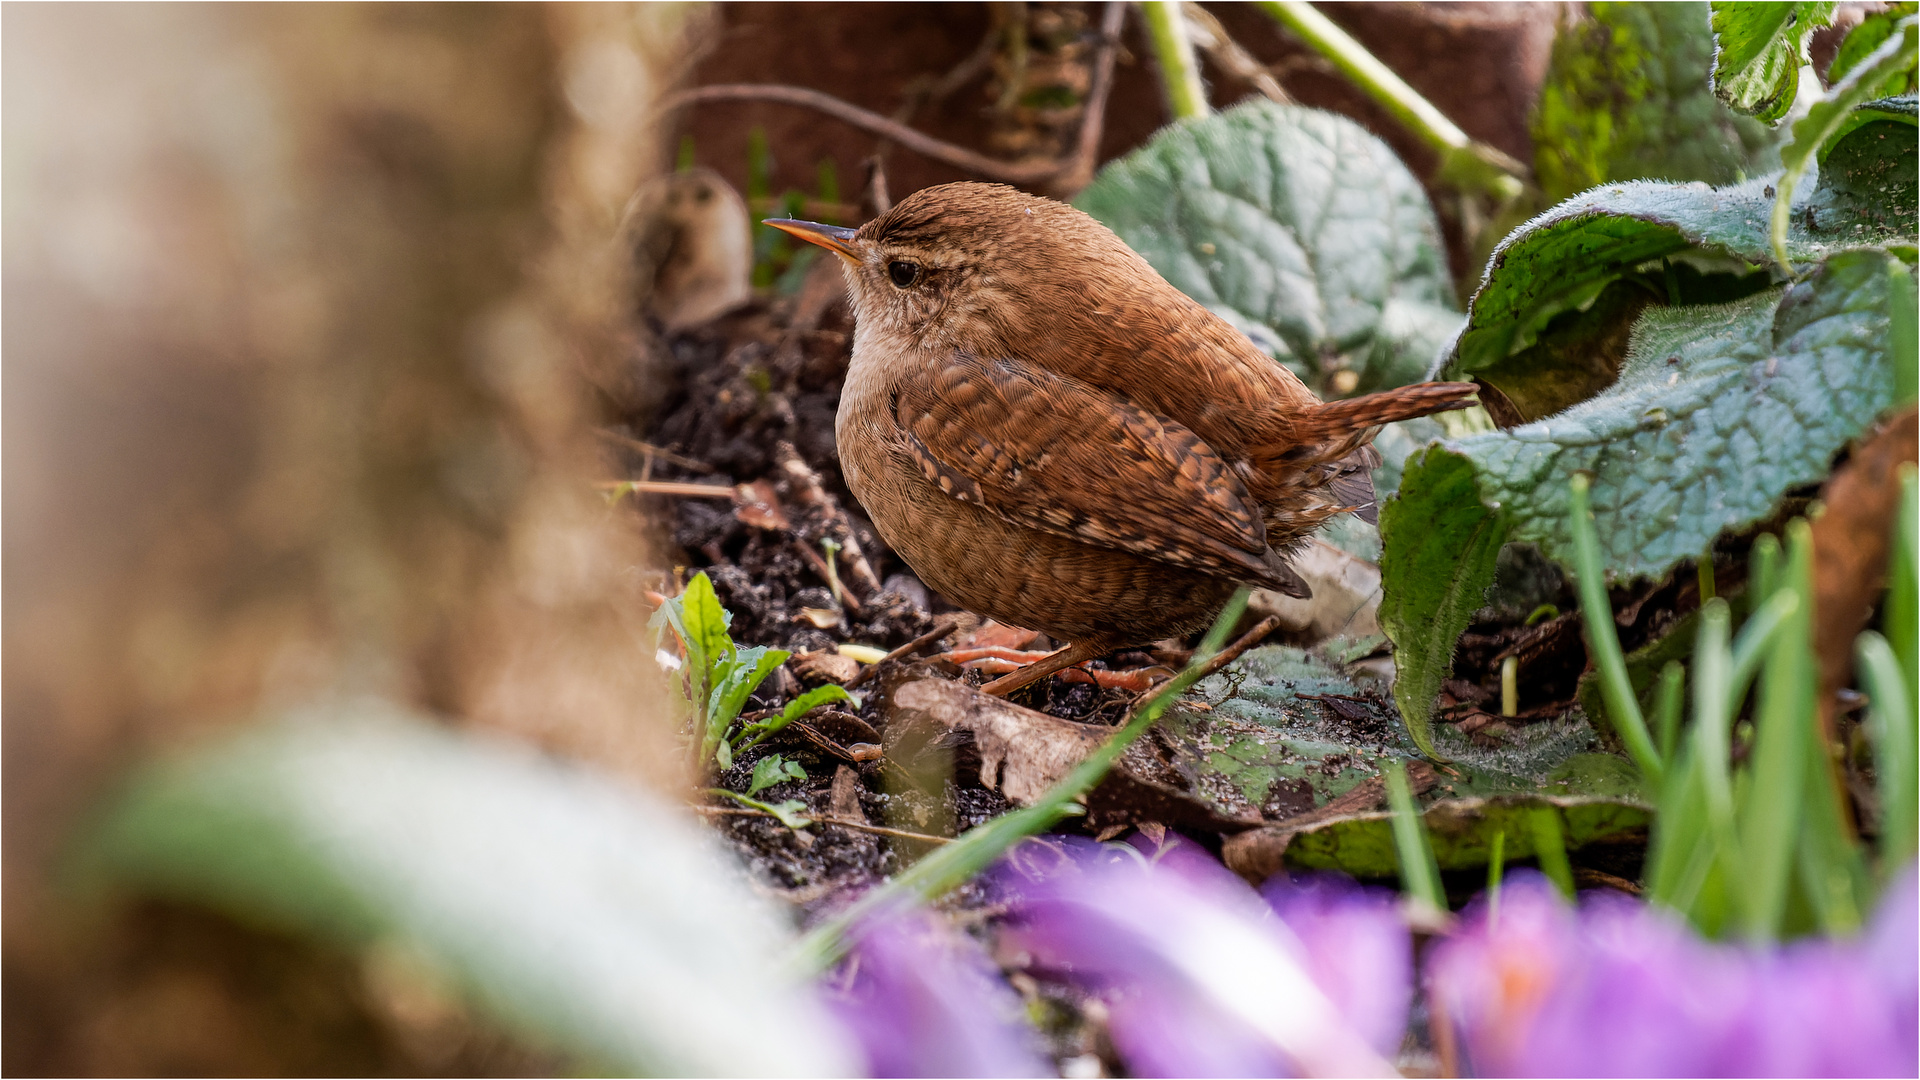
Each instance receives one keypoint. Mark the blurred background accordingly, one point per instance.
(311, 315)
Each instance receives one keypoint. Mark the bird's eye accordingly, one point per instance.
(904, 274)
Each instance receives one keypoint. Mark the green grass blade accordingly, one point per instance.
(1673, 688)
(1771, 807)
(1711, 742)
(1763, 566)
(1550, 847)
(1623, 708)
(1894, 761)
(1900, 619)
(1419, 873)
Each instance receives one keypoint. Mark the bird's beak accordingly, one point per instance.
(832, 237)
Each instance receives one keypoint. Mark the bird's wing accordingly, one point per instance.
(1055, 454)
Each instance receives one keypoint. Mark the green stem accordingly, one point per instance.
(1179, 69)
(1467, 162)
(1825, 119)
(1623, 707)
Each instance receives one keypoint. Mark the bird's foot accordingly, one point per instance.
(1026, 668)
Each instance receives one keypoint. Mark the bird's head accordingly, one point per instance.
(969, 266)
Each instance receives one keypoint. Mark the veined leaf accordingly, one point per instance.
(581, 913)
(1867, 171)
(1718, 412)
(1761, 48)
(1439, 545)
(1562, 260)
(1301, 229)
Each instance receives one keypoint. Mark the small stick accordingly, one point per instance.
(860, 826)
(872, 122)
(1218, 660)
(668, 487)
(820, 567)
(940, 630)
(667, 456)
(810, 493)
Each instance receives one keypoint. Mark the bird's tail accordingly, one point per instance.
(1334, 419)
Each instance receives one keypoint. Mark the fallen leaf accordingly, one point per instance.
(1345, 600)
(824, 665)
(1022, 752)
(759, 507)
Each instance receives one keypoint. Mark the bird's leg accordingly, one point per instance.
(1077, 653)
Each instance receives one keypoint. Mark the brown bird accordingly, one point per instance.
(1052, 435)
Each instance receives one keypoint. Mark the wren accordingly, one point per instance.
(1052, 435)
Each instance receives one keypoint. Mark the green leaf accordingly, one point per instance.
(738, 674)
(1559, 262)
(1864, 38)
(1440, 541)
(773, 769)
(1867, 170)
(1829, 117)
(1462, 832)
(796, 709)
(1623, 100)
(789, 812)
(582, 913)
(1718, 412)
(1284, 733)
(1761, 49)
(1298, 227)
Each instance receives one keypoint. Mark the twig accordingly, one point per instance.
(669, 487)
(1227, 54)
(1072, 171)
(648, 448)
(820, 567)
(858, 826)
(1215, 662)
(940, 630)
(810, 493)
(1086, 149)
(947, 867)
(925, 145)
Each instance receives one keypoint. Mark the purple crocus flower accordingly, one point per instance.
(1618, 988)
(1199, 975)
(923, 999)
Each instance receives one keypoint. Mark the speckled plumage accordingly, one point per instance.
(1052, 435)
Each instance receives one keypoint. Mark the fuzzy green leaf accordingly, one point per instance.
(1718, 412)
(1623, 99)
(1867, 171)
(584, 914)
(1440, 541)
(1560, 262)
(1298, 227)
(1761, 48)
